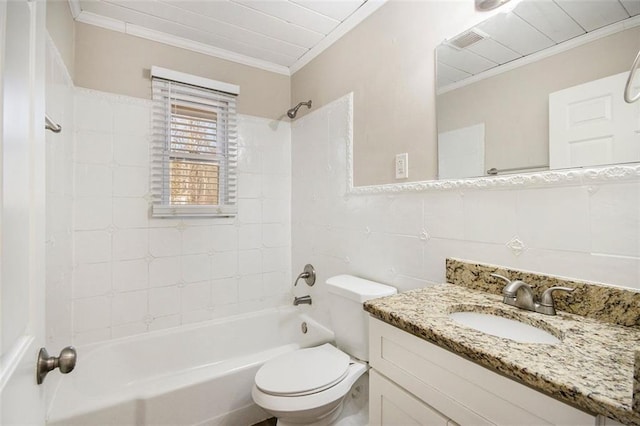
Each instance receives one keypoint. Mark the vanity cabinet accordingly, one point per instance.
(416, 382)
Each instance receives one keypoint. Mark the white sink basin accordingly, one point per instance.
(503, 327)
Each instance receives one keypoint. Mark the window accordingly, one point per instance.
(193, 151)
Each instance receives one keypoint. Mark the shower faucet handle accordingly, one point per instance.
(309, 275)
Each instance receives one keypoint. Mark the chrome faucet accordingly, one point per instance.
(302, 300)
(520, 294)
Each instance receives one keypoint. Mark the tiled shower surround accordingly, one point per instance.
(133, 273)
(588, 232)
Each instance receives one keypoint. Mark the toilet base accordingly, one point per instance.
(353, 409)
(320, 409)
(327, 420)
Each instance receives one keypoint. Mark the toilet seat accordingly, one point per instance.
(303, 372)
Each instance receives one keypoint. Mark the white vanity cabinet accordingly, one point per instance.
(414, 382)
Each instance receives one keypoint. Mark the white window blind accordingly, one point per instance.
(193, 151)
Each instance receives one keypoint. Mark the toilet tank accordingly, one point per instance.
(350, 322)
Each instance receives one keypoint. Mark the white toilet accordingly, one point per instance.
(308, 386)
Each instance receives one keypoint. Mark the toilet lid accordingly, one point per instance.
(303, 371)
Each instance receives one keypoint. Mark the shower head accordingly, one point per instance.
(293, 111)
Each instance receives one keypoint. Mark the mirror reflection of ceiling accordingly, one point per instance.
(533, 25)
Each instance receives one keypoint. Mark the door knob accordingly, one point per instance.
(65, 362)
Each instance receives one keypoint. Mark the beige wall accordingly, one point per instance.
(61, 28)
(388, 62)
(515, 105)
(119, 63)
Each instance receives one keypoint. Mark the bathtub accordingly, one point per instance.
(192, 375)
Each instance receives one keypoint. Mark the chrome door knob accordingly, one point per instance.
(65, 362)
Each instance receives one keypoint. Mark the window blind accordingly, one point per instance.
(193, 151)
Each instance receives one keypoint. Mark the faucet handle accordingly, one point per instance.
(507, 280)
(547, 299)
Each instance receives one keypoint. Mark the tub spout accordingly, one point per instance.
(302, 300)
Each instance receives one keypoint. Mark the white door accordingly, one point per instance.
(22, 217)
(591, 124)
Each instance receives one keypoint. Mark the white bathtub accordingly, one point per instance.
(193, 375)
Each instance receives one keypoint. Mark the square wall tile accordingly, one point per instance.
(249, 185)
(93, 148)
(224, 265)
(276, 235)
(490, 216)
(165, 242)
(92, 213)
(131, 150)
(93, 279)
(129, 244)
(132, 119)
(130, 181)
(196, 268)
(224, 238)
(276, 211)
(615, 219)
(92, 246)
(165, 271)
(91, 313)
(250, 237)
(130, 212)
(129, 275)
(196, 296)
(93, 113)
(554, 218)
(250, 287)
(224, 291)
(249, 211)
(164, 301)
(129, 307)
(444, 214)
(92, 180)
(197, 240)
(249, 262)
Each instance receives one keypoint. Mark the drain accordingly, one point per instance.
(304, 327)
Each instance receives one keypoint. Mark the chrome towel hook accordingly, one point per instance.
(627, 89)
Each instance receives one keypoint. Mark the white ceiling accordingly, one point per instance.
(533, 26)
(277, 35)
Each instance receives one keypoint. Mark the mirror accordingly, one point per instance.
(539, 87)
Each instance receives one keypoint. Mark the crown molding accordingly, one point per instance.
(74, 5)
(347, 25)
(171, 40)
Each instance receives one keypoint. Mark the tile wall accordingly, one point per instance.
(587, 232)
(134, 274)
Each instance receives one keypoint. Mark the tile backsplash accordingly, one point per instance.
(616, 305)
(133, 273)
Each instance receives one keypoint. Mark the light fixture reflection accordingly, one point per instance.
(484, 5)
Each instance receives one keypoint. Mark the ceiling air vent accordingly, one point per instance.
(467, 39)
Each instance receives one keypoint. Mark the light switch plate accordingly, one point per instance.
(402, 166)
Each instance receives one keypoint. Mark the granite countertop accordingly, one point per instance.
(592, 368)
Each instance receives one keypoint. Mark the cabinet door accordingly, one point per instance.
(460, 389)
(391, 405)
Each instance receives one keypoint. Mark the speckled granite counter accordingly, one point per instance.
(592, 368)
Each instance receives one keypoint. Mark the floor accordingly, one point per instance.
(268, 422)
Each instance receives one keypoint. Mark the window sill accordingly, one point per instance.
(192, 211)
